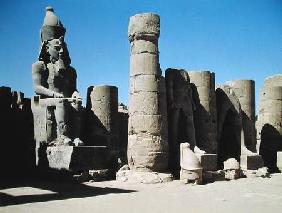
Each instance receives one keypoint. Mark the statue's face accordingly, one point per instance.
(55, 49)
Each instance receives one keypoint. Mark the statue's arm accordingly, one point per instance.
(38, 78)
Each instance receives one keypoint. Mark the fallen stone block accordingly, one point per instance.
(208, 161)
(251, 162)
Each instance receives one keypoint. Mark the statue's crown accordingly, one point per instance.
(52, 27)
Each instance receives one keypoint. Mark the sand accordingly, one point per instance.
(243, 195)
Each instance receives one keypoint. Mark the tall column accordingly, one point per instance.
(245, 92)
(147, 128)
(205, 115)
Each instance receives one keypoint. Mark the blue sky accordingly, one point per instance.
(236, 39)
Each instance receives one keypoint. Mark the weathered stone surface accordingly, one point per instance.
(146, 152)
(151, 124)
(144, 46)
(80, 158)
(208, 161)
(231, 164)
(251, 162)
(144, 64)
(143, 177)
(147, 83)
(144, 25)
(151, 105)
(232, 169)
(232, 174)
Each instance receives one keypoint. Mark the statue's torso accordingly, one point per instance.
(59, 81)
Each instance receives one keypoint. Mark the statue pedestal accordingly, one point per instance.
(77, 158)
(251, 162)
(208, 161)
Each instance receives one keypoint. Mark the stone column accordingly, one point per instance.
(269, 121)
(104, 125)
(147, 128)
(205, 115)
(245, 92)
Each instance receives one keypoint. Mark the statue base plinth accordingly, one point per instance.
(75, 158)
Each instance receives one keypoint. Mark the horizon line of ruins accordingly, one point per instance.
(177, 126)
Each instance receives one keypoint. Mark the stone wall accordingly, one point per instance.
(17, 152)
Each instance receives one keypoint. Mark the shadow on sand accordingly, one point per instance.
(56, 191)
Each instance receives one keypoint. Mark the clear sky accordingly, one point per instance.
(236, 39)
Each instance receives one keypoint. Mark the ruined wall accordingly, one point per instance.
(205, 116)
(17, 155)
(269, 123)
(147, 128)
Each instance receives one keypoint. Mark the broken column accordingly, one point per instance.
(180, 115)
(245, 92)
(229, 124)
(147, 128)
(269, 123)
(104, 108)
(205, 116)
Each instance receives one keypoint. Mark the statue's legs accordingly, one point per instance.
(77, 114)
(62, 120)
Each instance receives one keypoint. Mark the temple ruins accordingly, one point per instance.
(178, 124)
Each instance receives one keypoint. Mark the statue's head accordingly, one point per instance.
(55, 50)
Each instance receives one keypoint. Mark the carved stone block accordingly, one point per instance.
(78, 158)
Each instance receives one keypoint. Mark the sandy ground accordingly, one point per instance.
(243, 195)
